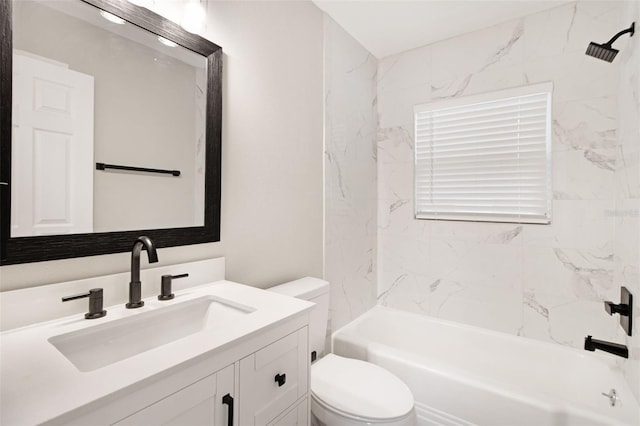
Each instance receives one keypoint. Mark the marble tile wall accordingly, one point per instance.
(627, 178)
(541, 281)
(350, 174)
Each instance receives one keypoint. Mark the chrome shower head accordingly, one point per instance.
(605, 51)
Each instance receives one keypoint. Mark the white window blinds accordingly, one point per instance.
(485, 158)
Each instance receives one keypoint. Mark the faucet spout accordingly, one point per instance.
(591, 344)
(135, 285)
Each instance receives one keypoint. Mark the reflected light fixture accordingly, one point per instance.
(111, 18)
(193, 16)
(166, 42)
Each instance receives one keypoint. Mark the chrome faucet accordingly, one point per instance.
(135, 286)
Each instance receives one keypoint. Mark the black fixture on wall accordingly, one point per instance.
(104, 166)
(624, 309)
(591, 344)
(51, 247)
(605, 51)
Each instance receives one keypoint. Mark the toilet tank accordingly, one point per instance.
(317, 291)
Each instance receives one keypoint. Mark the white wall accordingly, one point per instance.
(272, 206)
(350, 174)
(541, 281)
(627, 213)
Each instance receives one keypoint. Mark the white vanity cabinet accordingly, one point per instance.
(249, 344)
(193, 396)
(273, 390)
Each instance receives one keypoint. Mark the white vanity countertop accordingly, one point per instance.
(38, 383)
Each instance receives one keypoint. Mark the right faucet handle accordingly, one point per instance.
(165, 286)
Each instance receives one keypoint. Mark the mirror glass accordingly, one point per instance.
(90, 88)
(110, 128)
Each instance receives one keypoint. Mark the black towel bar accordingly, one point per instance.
(103, 166)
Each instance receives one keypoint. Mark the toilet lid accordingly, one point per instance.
(359, 388)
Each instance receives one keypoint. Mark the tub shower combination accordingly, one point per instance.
(464, 375)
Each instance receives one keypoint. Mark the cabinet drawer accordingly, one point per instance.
(273, 378)
(296, 416)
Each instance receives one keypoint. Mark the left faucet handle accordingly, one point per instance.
(95, 296)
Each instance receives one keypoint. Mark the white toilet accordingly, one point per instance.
(345, 391)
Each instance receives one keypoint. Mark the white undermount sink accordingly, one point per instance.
(104, 344)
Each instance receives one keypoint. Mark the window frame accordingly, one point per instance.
(545, 89)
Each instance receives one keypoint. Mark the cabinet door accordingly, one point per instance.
(273, 379)
(198, 404)
(226, 410)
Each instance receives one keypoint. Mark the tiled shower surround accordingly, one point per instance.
(541, 281)
(546, 282)
(350, 174)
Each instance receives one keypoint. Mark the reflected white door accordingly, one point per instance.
(52, 149)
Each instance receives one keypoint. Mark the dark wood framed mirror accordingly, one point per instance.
(15, 249)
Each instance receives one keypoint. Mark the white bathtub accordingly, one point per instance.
(463, 375)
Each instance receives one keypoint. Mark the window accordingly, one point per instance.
(485, 157)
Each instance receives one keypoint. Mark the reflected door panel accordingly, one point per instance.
(52, 147)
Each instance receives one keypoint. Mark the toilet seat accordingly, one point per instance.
(359, 390)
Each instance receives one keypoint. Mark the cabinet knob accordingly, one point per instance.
(281, 379)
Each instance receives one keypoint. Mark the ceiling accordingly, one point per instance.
(387, 27)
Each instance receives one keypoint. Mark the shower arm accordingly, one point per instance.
(631, 30)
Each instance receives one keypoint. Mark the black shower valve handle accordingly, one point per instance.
(624, 309)
(612, 308)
